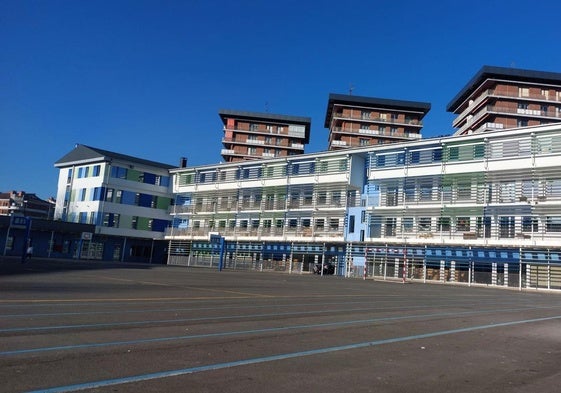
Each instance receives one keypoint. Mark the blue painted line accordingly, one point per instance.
(245, 332)
(266, 359)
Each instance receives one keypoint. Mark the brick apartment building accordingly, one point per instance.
(501, 98)
(251, 135)
(361, 121)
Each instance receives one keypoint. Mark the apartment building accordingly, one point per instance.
(456, 202)
(498, 98)
(355, 121)
(26, 204)
(251, 135)
(125, 197)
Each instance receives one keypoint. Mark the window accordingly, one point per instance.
(334, 224)
(118, 172)
(336, 198)
(83, 195)
(82, 217)
(444, 224)
(97, 194)
(553, 224)
(522, 122)
(454, 153)
(254, 127)
(365, 115)
(363, 141)
(351, 224)
(479, 151)
(408, 224)
(96, 170)
(118, 196)
(390, 226)
(506, 227)
(415, 157)
(523, 92)
(134, 222)
(529, 224)
(424, 224)
(320, 224)
(380, 161)
(437, 155)
(251, 151)
(462, 224)
(109, 195)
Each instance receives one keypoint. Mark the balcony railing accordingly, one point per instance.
(493, 93)
(359, 117)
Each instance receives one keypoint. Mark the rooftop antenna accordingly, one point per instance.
(351, 88)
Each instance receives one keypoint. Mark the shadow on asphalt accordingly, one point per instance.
(13, 265)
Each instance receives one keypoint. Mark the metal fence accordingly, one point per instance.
(507, 268)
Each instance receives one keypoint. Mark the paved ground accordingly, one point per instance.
(68, 326)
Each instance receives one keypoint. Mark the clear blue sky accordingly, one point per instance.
(147, 78)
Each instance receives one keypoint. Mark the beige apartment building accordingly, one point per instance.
(361, 121)
(501, 98)
(251, 135)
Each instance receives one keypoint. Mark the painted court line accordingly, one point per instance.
(245, 332)
(218, 366)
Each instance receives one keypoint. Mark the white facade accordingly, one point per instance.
(122, 196)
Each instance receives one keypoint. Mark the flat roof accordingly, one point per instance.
(287, 119)
(514, 74)
(345, 99)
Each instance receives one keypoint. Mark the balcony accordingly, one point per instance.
(366, 119)
(493, 93)
(498, 110)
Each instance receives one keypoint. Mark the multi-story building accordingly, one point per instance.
(501, 98)
(26, 204)
(457, 205)
(123, 196)
(363, 121)
(250, 135)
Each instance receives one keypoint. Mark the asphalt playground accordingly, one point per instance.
(70, 326)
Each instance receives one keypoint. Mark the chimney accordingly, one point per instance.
(183, 162)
